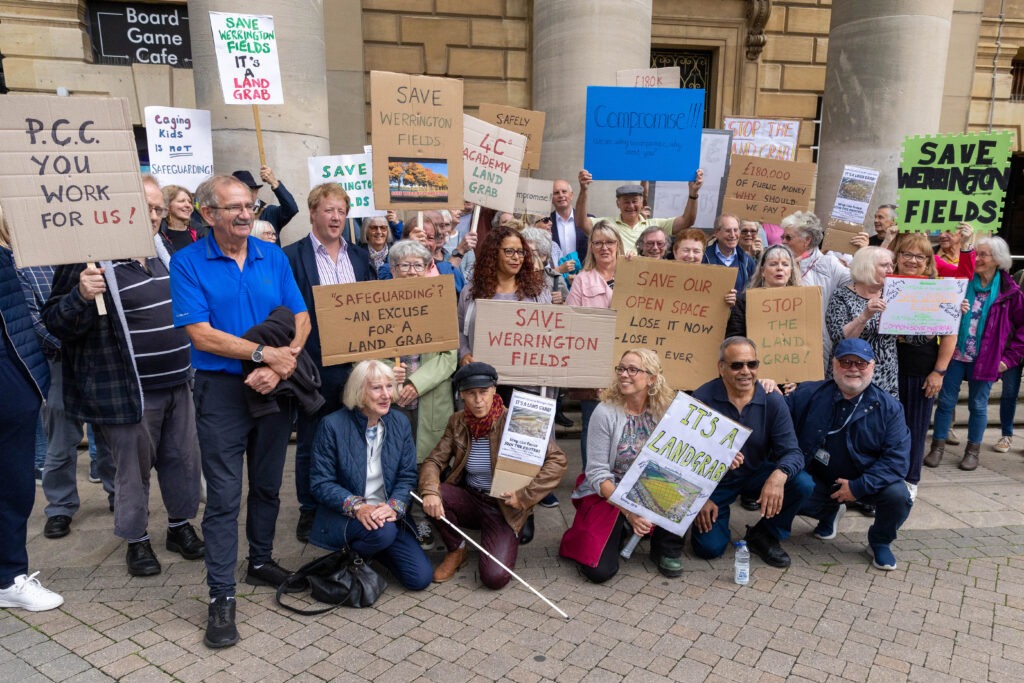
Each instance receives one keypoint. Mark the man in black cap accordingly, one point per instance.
(276, 215)
(631, 221)
(468, 451)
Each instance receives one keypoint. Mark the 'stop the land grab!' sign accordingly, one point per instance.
(246, 47)
(947, 179)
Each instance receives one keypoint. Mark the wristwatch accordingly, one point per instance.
(456, 254)
(257, 354)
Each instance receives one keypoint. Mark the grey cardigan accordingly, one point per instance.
(603, 435)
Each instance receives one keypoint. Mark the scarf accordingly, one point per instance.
(479, 427)
(973, 289)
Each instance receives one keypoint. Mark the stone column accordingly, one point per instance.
(884, 81)
(579, 43)
(292, 131)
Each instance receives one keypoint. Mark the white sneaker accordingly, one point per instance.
(953, 438)
(1003, 445)
(28, 593)
(912, 490)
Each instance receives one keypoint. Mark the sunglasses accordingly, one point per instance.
(740, 364)
(847, 363)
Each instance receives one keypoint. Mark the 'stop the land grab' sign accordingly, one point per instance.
(948, 179)
(246, 47)
(70, 184)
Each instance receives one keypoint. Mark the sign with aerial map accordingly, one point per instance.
(682, 462)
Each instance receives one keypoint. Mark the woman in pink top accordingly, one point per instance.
(955, 256)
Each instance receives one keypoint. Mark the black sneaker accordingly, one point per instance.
(141, 560)
(185, 541)
(305, 525)
(271, 574)
(549, 501)
(749, 502)
(526, 535)
(220, 625)
(766, 546)
(863, 508)
(425, 534)
(563, 420)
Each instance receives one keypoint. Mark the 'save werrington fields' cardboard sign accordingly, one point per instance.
(676, 309)
(416, 122)
(545, 345)
(492, 158)
(785, 324)
(180, 145)
(246, 47)
(523, 121)
(766, 189)
(386, 318)
(69, 181)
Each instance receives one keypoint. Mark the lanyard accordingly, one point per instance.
(848, 417)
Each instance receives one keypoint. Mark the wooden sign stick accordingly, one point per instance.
(101, 305)
(352, 230)
(475, 219)
(259, 134)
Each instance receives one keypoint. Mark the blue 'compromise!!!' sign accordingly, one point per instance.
(646, 133)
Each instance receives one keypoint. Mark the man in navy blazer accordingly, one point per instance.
(322, 258)
(565, 231)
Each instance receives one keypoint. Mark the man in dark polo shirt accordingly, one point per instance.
(223, 285)
(127, 373)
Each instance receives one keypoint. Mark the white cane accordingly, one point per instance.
(496, 561)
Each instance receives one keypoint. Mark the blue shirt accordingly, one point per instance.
(208, 287)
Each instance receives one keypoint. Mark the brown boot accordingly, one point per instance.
(935, 453)
(452, 562)
(970, 461)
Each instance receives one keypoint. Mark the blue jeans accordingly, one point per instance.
(712, 544)
(977, 402)
(892, 507)
(1008, 401)
(19, 410)
(40, 452)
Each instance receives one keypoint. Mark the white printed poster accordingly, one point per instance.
(854, 196)
(918, 306)
(246, 47)
(679, 467)
(180, 146)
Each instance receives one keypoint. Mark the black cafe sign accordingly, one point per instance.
(142, 33)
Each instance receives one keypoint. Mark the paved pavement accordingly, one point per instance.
(954, 610)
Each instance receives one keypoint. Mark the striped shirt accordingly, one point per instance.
(478, 465)
(332, 272)
(160, 349)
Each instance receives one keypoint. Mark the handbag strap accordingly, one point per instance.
(301, 576)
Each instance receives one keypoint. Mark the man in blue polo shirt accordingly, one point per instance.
(221, 286)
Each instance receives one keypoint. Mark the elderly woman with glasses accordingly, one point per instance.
(375, 237)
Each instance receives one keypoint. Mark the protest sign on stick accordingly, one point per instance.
(765, 138)
(523, 121)
(785, 324)
(70, 184)
(416, 123)
(916, 306)
(676, 309)
(545, 345)
(650, 133)
(354, 172)
(948, 179)
(492, 159)
(663, 77)
(854, 195)
(386, 318)
(766, 189)
(180, 145)
(524, 441)
(679, 467)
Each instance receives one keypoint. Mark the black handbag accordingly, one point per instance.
(341, 578)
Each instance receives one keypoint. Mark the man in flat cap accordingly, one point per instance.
(276, 215)
(469, 451)
(631, 221)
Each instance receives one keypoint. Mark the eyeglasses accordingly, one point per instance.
(158, 210)
(236, 208)
(517, 253)
(601, 245)
(411, 267)
(631, 371)
(847, 363)
(740, 364)
(748, 233)
(377, 228)
(916, 258)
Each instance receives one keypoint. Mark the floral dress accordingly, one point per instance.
(844, 306)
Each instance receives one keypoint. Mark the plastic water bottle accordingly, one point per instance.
(741, 566)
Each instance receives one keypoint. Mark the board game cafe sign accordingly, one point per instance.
(141, 33)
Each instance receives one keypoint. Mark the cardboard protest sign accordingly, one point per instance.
(947, 179)
(246, 48)
(920, 306)
(180, 145)
(524, 441)
(679, 467)
(854, 195)
(767, 190)
(838, 234)
(386, 318)
(354, 172)
(676, 309)
(765, 138)
(545, 345)
(533, 195)
(669, 198)
(650, 133)
(523, 121)
(70, 184)
(785, 324)
(664, 77)
(492, 159)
